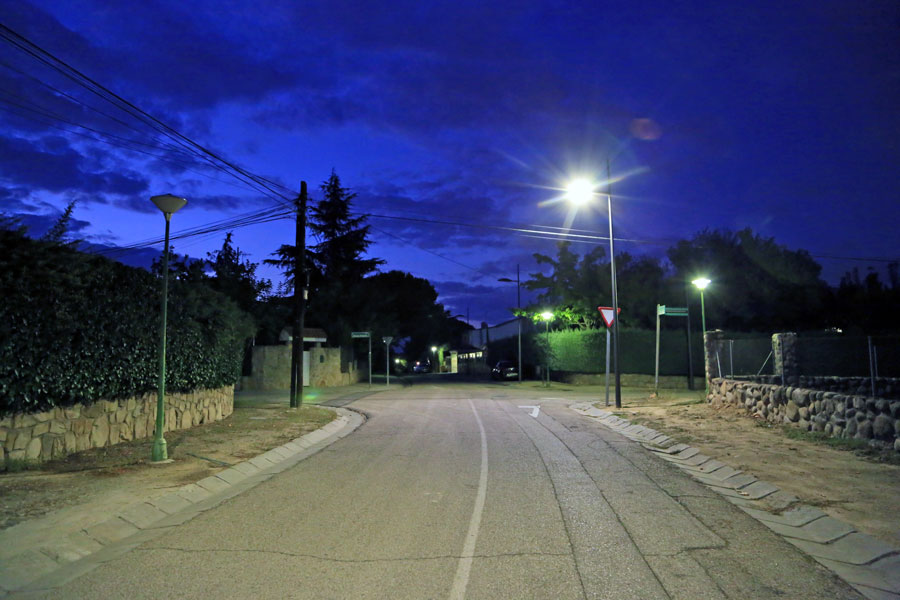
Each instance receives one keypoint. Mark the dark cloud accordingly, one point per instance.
(52, 164)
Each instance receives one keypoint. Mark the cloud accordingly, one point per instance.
(51, 164)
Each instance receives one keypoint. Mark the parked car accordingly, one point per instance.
(505, 369)
(421, 367)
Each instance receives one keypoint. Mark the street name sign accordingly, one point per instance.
(359, 334)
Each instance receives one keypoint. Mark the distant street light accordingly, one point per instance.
(701, 284)
(547, 316)
(580, 192)
(434, 357)
(169, 205)
(518, 317)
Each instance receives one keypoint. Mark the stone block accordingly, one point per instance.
(804, 413)
(22, 421)
(42, 417)
(57, 427)
(792, 411)
(33, 450)
(883, 427)
(100, 433)
(865, 430)
(21, 441)
(40, 429)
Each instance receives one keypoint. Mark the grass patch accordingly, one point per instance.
(17, 465)
(857, 446)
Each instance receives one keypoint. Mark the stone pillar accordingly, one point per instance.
(710, 346)
(784, 351)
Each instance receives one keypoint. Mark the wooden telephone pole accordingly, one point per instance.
(301, 283)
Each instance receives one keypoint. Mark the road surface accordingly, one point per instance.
(459, 491)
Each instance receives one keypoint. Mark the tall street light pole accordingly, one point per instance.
(580, 192)
(518, 317)
(169, 205)
(615, 292)
(701, 284)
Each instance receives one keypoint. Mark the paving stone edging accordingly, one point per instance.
(868, 564)
(54, 564)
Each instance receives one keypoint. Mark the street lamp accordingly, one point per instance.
(518, 318)
(547, 316)
(434, 356)
(580, 192)
(701, 283)
(169, 205)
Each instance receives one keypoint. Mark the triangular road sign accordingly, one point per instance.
(608, 314)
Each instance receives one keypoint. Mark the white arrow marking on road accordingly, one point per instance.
(536, 410)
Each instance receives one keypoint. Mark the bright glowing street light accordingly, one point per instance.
(434, 357)
(701, 283)
(580, 191)
(169, 205)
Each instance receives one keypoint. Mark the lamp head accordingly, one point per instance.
(546, 315)
(434, 348)
(701, 282)
(168, 203)
(579, 191)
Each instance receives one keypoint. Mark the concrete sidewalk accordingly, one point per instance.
(50, 549)
(867, 564)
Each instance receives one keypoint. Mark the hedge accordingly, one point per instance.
(584, 351)
(77, 328)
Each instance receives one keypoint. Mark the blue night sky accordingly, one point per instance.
(779, 116)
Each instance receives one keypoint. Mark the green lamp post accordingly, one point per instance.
(169, 205)
(701, 283)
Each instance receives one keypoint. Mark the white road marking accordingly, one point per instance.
(461, 580)
(535, 410)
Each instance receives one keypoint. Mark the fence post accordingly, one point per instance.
(710, 351)
(784, 349)
(872, 365)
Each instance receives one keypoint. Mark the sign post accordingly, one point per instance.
(664, 311)
(368, 336)
(608, 315)
(387, 352)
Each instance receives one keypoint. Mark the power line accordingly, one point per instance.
(261, 184)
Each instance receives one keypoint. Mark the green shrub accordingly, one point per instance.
(77, 328)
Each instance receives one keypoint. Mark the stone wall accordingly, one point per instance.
(272, 369)
(835, 414)
(885, 387)
(41, 436)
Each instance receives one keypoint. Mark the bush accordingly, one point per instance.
(77, 328)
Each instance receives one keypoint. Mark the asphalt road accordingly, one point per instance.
(454, 491)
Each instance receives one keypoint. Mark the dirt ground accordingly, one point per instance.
(856, 485)
(116, 476)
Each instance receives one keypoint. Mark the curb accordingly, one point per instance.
(865, 563)
(54, 564)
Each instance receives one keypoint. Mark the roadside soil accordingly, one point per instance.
(859, 486)
(109, 479)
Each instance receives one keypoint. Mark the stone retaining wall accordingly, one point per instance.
(37, 437)
(835, 414)
(885, 387)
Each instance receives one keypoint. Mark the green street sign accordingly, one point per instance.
(359, 334)
(671, 311)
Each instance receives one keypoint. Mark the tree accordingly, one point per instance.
(574, 288)
(337, 263)
(60, 228)
(235, 276)
(758, 285)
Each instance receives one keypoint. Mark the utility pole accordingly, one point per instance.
(301, 283)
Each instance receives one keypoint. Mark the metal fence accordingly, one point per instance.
(848, 356)
(743, 356)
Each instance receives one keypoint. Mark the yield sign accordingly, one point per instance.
(608, 314)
